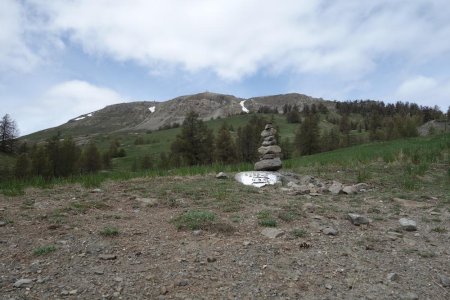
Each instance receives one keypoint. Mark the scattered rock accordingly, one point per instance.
(410, 203)
(445, 281)
(335, 188)
(361, 187)
(246, 243)
(329, 231)
(23, 282)
(96, 191)
(349, 189)
(107, 256)
(222, 175)
(393, 235)
(73, 292)
(2, 223)
(183, 282)
(392, 277)
(358, 219)
(163, 290)
(99, 272)
(211, 259)
(409, 296)
(408, 225)
(272, 232)
(197, 232)
(310, 207)
(64, 293)
(328, 286)
(148, 201)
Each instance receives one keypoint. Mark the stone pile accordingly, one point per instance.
(270, 151)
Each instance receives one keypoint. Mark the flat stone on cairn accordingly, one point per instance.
(270, 151)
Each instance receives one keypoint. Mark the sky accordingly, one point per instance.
(61, 59)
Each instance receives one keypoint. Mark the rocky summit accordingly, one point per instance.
(270, 152)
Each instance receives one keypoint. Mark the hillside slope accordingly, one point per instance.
(152, 115)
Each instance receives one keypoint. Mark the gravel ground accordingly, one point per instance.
(118, 242)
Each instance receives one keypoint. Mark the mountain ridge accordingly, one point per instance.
(152, 115)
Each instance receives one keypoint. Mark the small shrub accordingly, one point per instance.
(298, 233)
(44, 250)
(439, 229)
(109, 231)
(286, 216)
(266, 219)
(194, 219)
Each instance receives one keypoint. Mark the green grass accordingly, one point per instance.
(265, 219)
(44, 250)
(109, 231)
(194, 220)
(299, 233)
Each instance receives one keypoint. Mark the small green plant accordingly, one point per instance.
(28, 203)
(265, 219)
(44, 250)
(287, 216)
(109, 231)
(299, 233)
(194, 219)
(439, 229)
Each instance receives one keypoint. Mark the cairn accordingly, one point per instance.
(270, 151)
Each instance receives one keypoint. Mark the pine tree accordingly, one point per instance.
(8, 134)
(307, 136)
(91, 159)
(147, 162)
(22, 166)
(225, 147)
(195, 144)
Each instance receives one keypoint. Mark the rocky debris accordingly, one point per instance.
(96, 191)
(2, 223)
(107, 256)
(148, 201)
(391, 277)
(24, 282)
(221, 175)
(197, 232)
(445, 281)
(335, 188)
(349, 189)
(358, 219)
(330, 231)
(410, 203)
(393, 235)
(409, 296)
(270, 152)
(272, 232)
(361, 187)
(407, 224)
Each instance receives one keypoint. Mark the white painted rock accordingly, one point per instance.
(258, 178)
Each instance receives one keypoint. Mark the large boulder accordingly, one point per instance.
(273, 164)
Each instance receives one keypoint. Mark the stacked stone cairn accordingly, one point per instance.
(270, 151)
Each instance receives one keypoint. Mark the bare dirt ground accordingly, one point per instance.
(55, 239)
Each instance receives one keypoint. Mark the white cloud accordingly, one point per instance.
(62, 102)
(236, 38)
(15, 53)
(426, 91)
